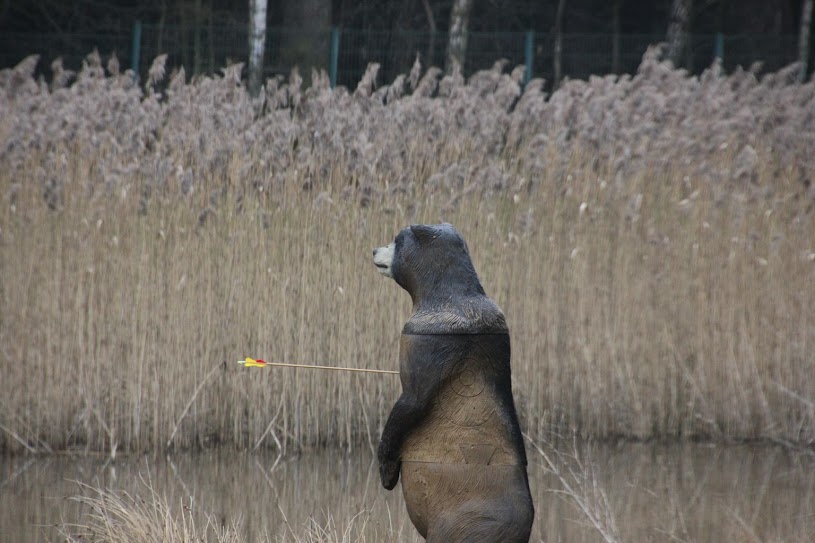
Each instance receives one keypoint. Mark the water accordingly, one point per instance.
(635, 492)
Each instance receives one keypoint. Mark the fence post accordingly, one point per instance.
(135, 48)
(529, 54)
(718, 46)
(335, 53)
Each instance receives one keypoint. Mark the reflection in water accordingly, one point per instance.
(639, 492)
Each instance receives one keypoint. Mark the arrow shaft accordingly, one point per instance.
(335, 368)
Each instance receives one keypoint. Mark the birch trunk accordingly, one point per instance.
(257, 44)
(457, 44)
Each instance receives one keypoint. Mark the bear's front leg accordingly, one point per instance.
(425, 361)
(404, 417)
(389, 473)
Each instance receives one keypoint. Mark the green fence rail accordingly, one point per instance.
(345, 53)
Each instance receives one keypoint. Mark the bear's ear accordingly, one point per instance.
(424, 232)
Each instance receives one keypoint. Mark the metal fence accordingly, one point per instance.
(345, 53)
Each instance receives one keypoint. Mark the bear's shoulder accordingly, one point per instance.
(476, 315)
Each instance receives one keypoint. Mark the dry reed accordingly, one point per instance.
(118, 517)
(121, 518)
(649, 238)
(584, 492)
(146, 516)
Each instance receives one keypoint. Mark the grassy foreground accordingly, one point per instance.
(651, 241)
(115, 517)
(584, 492)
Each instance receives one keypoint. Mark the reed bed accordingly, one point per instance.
(650, 239)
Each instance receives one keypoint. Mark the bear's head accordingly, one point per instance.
(431, 262)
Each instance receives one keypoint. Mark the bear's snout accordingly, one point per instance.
(383, 259)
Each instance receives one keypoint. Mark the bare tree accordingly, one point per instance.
(803, 39)
(431, 22)
(196, 48)
(678, 29)
(558, 32)
(305, 42)
(615, 38)
(457, 43)
(257, 44)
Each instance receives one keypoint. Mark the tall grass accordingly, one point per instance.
(114, 517)
(147, 517)
(649, 238)
(584, 492)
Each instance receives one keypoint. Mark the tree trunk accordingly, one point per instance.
(196, 47)
(678, 29)
(257, 44)
(160, 35)
(803, 39)
(306, 36)
(558, 31)
(211, 40)
(183, 33)
(457, 43)
(431, 45)
(615, 38)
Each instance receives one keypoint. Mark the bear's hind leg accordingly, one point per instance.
(481, 521)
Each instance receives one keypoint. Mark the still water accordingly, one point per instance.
(634, 492)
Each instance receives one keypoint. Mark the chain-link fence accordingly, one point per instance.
(345, 53)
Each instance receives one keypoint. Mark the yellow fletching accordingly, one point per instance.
(250, 362)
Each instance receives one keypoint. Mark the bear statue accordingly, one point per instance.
(453, 434)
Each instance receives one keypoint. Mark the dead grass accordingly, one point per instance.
(118, 517)
(673, 492)
(584, 491)
(110, 516)
(654, 256)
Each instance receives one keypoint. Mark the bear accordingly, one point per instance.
(453, 434)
